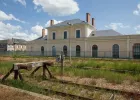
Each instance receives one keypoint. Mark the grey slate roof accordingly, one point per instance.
(42, 38)
(105, 33)
(73, 21)
(3, 41)
(12, 41)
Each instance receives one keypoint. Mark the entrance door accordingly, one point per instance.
(53, 51)
(65, 50)
(42, 51)
(95, 51)
(78, 51)
(136, 51)
(115, 51)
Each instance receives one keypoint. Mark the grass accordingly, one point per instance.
(76, 70)
(5, 66)
(77, 65)
(23, 85)
(111, 77)
(116, 65)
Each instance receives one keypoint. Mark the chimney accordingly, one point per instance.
(93, 22)
(51, 22)
(88, 17)
(43, 32)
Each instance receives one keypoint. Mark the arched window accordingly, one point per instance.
(42, 50)
(115, 51)
(65, 34)
(65, 50)
(95, 51)
(53, 51)
(78, 51)
(53, 35)
(136, 51)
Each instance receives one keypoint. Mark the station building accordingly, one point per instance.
(81, 39)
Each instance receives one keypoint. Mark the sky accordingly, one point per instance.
(25, 19)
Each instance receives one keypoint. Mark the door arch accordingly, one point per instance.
(42, 50)
(78, 51)
(136, 51)
(95, 51)
(53, 51)
(115, 51)
(65, 50)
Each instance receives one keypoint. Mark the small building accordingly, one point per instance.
(12, 45)
(81, 39)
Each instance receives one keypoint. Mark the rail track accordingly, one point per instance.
(74, 97)
(113, 70)
(134, 95)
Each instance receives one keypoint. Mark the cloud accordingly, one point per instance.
(55, 22)
(137, 29)
(37, 29)
(23, 2)
(115, 26)
(137, 11)
(10, 31)
(57, 7)
(4, 16)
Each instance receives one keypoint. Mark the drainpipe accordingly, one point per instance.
(128, 46)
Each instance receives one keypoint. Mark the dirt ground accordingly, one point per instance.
(125, 86)
(8, 93)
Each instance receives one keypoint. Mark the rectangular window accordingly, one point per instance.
(53, 35)
(65, 34)
(77, 33)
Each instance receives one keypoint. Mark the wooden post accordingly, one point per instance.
(35, 70)
(44, 71)
(51, 76)
(16, 73)
(62, 63)
(20, 76)
(3, 79)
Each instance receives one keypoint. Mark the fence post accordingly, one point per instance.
(62, 63)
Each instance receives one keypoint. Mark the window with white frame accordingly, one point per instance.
(65, 34)
(77, 33)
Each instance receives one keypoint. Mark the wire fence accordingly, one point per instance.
(83, 54)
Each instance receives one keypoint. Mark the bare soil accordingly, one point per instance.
(125, 86)
(8, 93)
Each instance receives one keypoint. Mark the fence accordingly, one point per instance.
(87, 54)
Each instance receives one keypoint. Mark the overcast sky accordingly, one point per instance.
(25, 18)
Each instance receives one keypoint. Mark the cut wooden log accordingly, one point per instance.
(27, 67)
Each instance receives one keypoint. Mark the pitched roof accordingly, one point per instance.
(3, 41)
(12, 41)
(73, 21)
(19, 41)
(42, 38)
(105, 33)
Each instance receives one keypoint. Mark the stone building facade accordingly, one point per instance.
(80, 38)
(12, 45)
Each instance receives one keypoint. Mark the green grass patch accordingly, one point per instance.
(111, 77)
(5, 66)
(116, 65)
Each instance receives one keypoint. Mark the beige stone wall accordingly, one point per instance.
(59, 31)
(104, 44)
(19, 47)
(16, 47)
